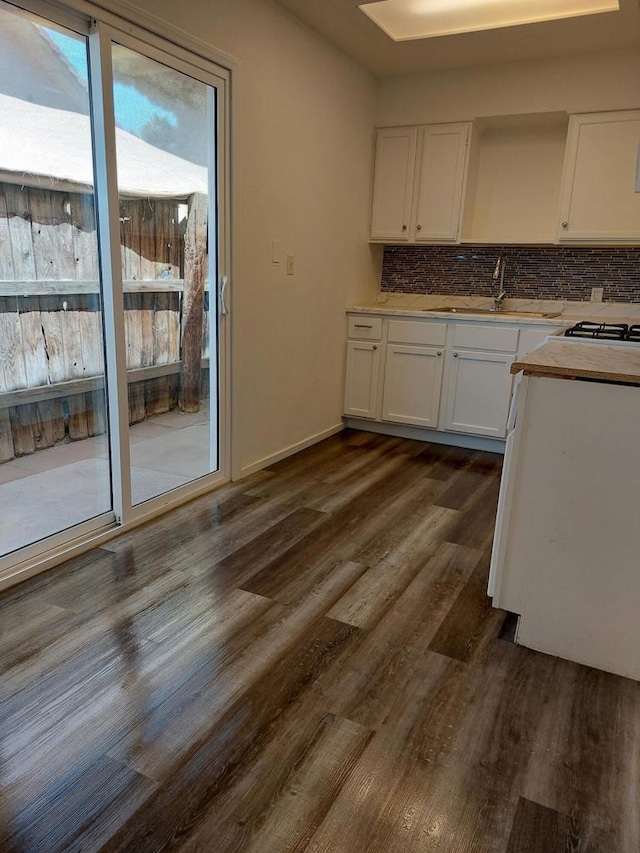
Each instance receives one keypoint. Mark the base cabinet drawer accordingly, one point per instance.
(362, 380)
(412, 385)
(479, 393)
(365, 328)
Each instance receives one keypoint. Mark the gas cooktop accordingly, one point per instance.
(605, 331)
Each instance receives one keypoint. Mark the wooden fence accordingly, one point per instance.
(51, 343)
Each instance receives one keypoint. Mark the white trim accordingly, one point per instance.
(87, 542)
(456, 439)
(140, 23)
(108, 206)
(39, 548)
(55, 12)
(289, 451)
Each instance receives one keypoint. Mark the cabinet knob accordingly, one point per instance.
(565, 224)
(439, 353)
(374, 347)
(455, 355)
(404, 227)
(419, 227)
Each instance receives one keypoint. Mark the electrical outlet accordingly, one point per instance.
(597, 294)
(289, 264)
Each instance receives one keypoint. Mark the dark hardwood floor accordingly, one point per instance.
(306, 661)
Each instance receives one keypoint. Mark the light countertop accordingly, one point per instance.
(568, 312)
(578, 360)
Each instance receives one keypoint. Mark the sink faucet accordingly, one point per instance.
(498, 273)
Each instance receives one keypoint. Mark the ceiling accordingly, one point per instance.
(347, 27)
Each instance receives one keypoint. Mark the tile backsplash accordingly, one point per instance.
(532, 272)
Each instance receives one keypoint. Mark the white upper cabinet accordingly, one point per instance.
(393, 183)
(598, 202)
(439, 183)
(418, 183)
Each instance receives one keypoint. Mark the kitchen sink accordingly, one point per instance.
(490, 313)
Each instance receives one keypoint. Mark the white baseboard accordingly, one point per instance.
(288, 451)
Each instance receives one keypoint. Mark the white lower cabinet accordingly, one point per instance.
(412, 385)
(449, 376)
(479, 393)
(362, 380)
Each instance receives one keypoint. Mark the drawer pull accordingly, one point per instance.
(374, 347)
(439, 353)
(455, 355)
(357, 326)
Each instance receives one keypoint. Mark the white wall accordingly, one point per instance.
(302, 146)
(589, 82)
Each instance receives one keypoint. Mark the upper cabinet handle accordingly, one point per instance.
(223, 287)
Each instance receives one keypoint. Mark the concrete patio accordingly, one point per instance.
(54, 489)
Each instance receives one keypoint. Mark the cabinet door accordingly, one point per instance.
(441, 172)
(363, 373)
(598, 202)
(393, 183)
(479, 393)
(412, 384)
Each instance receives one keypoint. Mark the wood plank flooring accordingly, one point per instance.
(306, 661)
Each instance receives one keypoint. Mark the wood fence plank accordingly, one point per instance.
(161, 326)
(50, 317)
(147, 310)
(6, 437)
(90, 320)
(33, 343)
(17, 201)
(51, 235)
(49, 423)
(147, 226)
(62, 228)
(90, 323)
(163, 268)
(75, 366)
(133, 329)
(96, 407)
(195, 260)
(12, 368)
(129, 241)
(22, 421)
(176, 242)
(85, 243)
(6, 256)
(175, 326)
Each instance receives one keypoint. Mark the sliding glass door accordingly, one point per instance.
(54, 452)
(113, 242)
(165, 143)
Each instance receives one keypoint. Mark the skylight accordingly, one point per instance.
(417, 19)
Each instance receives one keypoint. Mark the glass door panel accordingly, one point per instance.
(165, 144)
(54, 458)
